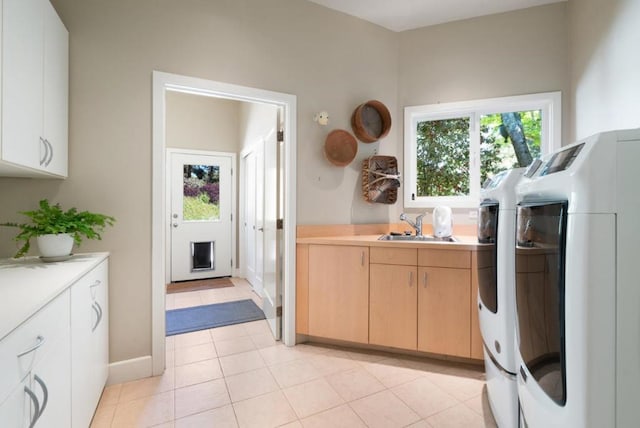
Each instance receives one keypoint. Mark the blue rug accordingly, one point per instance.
(197, 318)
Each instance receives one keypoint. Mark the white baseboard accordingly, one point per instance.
(128, 370)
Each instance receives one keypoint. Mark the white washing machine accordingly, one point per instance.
(496, 293)
(578, 287)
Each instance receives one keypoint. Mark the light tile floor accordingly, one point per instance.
(238, 376)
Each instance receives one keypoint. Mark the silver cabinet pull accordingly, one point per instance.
(39, 342)
(411, 279)
(362, 259)
(36, 405)
(50, 146)
(424, 280)
(46, 151)
(45, 395)
(98, 310)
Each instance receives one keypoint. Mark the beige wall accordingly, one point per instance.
(604, 38)
(202, 123)
(513, 53)
(328, 60)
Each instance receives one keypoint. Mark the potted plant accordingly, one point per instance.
(56, 230)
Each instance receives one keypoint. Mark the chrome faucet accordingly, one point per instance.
(417, 225)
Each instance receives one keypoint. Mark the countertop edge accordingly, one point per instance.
(39, 301)
(464, 243)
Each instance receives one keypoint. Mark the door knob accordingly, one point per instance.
(175, 225)
(175, 216)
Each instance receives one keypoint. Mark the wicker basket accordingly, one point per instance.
(380, 179)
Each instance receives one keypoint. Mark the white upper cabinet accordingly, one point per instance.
(35, 88)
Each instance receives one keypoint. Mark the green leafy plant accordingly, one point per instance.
(51, 219)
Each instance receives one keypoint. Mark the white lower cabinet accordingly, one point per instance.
(54, 365)
(89, 343)
(39, 352)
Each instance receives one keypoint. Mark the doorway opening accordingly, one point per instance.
(279, 219)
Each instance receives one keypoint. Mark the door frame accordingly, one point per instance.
(234, 218)
(159, 226)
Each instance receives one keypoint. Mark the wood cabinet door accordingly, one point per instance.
(444, 319)
(476, 335)
(339, 292)
(393, 306)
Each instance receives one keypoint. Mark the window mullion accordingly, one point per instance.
(474, 156)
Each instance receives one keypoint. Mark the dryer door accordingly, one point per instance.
(487, 271)
(540, 273)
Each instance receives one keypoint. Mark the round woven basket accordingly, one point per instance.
(340, 147)
(371, 121)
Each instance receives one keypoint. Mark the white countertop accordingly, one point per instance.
(28, 284)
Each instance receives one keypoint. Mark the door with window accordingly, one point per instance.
(201, 210)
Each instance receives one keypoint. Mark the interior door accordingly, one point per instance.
(200, 216)
(250, 221)
(272, 281)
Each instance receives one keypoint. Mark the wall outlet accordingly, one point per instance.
(473, 214)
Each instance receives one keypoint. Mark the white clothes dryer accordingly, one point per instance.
(577, 288)
(496, 292)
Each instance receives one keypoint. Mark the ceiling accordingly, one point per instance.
(401, 15)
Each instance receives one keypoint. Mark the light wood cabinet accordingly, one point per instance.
(302, 289)
(35, 81)
(393, 304)
(339, 292)
(444, 320)
(476, 335)
(393, 307)
(421, 299)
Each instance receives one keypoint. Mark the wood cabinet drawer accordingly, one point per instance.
(394, 256)
(35, 339)
(460, 259)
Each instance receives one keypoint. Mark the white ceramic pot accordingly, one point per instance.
(55, 245)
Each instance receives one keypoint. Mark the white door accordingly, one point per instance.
(272, 273)
(250, 228)
(200, 216)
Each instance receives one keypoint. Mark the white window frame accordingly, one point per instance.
(550, 103)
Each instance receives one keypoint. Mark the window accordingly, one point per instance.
(452, 148)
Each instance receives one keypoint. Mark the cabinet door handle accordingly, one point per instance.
(50, 146)
(45, 395)
(46, 151)
(39, 342)
(97, 310)
(411, 279)
(362, 258)
(36, 405)
(424, 280)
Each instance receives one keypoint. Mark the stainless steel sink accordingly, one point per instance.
(414, 238)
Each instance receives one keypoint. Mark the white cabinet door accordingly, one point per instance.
(17, 409)
(89, 343)
(22, 84)
(35, 90)
(50, 384)
(56, 91)
(36, 364)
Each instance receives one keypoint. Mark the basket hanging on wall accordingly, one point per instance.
(371, 121)
(380, 179)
